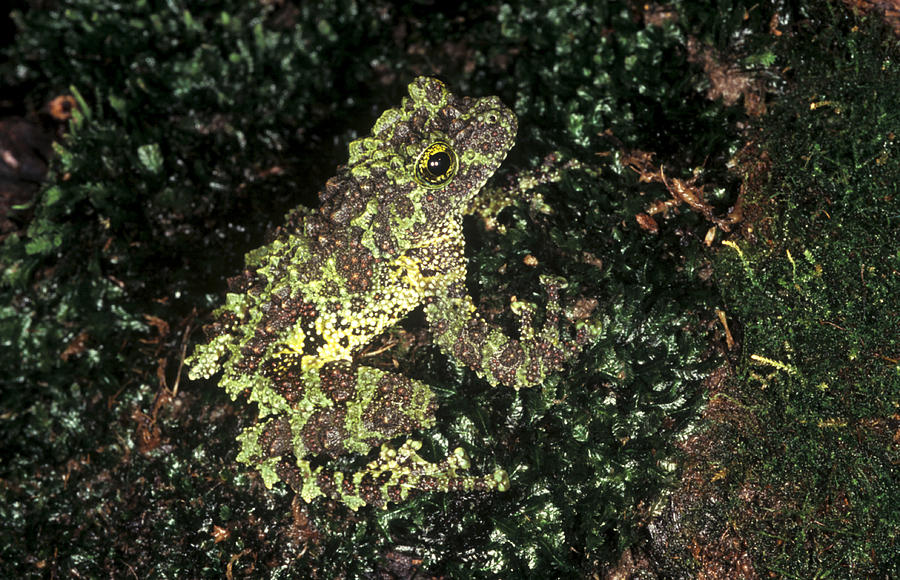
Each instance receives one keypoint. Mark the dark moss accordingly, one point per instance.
(810, 468)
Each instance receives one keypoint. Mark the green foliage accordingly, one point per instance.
(610, 73)
(818, 295)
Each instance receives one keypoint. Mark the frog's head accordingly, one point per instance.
(421, 166)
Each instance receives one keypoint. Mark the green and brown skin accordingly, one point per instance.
(386, 239)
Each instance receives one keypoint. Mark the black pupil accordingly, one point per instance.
(439, 163)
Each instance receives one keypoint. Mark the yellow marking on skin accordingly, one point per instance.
(411, 274)
(408, 285)
(296, 340)
(310, 362)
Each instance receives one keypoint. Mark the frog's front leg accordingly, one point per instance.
(462, 333)
(522, 187)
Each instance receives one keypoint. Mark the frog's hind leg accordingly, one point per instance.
(366, 408)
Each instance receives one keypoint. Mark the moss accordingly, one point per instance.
(811, 474)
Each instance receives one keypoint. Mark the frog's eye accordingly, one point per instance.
(436, 165)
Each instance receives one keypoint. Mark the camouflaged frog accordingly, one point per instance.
(386, 239)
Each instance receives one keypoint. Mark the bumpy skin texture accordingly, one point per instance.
(386, 238)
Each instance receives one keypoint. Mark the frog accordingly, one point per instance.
(387, 238)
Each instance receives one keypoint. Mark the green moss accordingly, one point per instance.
(817, 292)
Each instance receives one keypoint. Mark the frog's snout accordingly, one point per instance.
(494, 112)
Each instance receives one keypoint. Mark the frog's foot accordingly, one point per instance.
(584, 329)
(391, 477)
(524, 362)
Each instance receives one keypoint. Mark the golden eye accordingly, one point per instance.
(436, 165)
